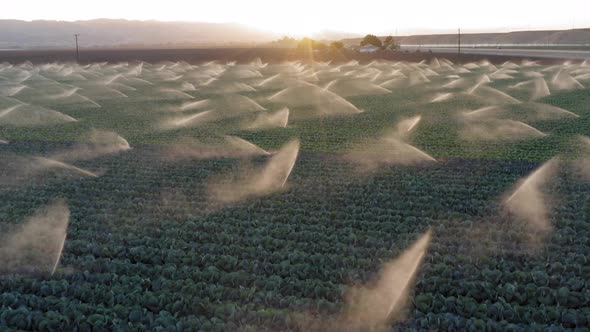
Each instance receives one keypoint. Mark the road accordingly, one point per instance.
(531, 53)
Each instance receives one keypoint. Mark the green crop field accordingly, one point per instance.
(301, 196)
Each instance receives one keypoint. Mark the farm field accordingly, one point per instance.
(295, 196)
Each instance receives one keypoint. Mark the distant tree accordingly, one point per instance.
(371, 40)
(337, 45)
(306, 44)
(390, 43)
(285, 42)
(310, 44)
(287, 39)
(319, 46)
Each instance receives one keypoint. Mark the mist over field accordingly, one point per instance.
(317, 189)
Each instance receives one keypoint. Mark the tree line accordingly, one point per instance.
(389, 43)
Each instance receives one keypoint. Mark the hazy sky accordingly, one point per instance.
(300, 17)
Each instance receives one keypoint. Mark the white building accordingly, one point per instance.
(368, 49)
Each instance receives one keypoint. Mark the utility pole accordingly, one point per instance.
(77, 52)
(459, 44)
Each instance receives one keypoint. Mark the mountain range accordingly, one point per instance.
(112, 33)
(536, 37)
(118, 32)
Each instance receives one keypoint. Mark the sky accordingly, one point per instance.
(305, 17)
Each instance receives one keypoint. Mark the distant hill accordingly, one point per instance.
(575, 36)
(114, 33)
(108, 33)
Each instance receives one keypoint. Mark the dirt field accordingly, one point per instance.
(241, 55)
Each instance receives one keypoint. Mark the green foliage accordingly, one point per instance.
(285, 41)
(390, 43)
(145, 252)
(310, 44)
(306, 44)
(142, 263)
(371, 40)
(337, 45)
